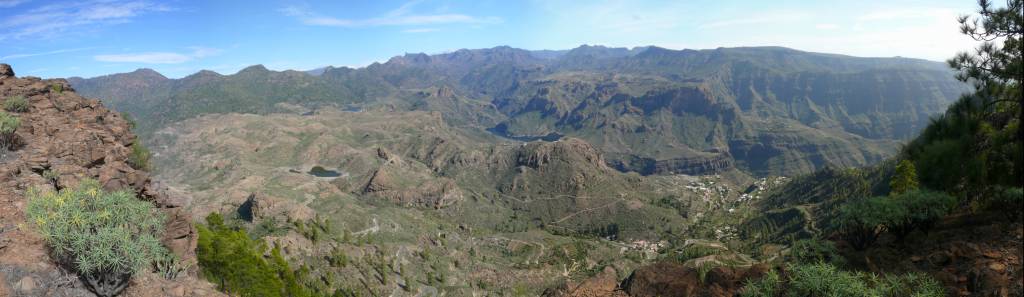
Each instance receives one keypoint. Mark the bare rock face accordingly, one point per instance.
(604, 284)
(429, 193)
(673, 279)
(569, 150)
(77, 138)
(6, 71)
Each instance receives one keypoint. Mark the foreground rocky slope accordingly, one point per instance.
(77, 138)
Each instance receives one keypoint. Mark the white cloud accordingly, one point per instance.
(52, 20)
(421, 30)
(203, 52)
(145, 58)
(775, 17)
(159, 57)
(401, 16)
(53, 52)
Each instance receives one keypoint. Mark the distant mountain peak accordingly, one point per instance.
(147, 71)
(254, 69)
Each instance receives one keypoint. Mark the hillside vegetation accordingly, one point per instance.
(764, 110)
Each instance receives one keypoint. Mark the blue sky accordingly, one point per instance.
(96, 37)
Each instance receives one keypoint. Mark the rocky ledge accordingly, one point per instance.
(76, 138)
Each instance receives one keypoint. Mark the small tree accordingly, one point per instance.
(905, 178)
(861, 222)
(105, 237)
(924, 208)
(8, 125)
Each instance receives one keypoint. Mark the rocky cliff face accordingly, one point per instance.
(77, 138)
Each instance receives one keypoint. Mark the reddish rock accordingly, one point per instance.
(77, 138)
(673, 279)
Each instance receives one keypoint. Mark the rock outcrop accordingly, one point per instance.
(430, 193)
(77, 138)
(663, 279)
(604, 284)
(672, 279)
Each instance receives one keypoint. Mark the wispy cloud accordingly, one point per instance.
(159, 57)
(401, 16)
(51, 20)
(905, 14)
(53, 52)
(775, 17)
(11, 3)
(421, 30)
(826, 26)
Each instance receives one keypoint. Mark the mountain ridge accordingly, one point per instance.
(691, 101)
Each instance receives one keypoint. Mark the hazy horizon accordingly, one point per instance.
(178, 38)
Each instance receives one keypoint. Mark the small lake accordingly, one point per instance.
(320, 171)
(502, 132)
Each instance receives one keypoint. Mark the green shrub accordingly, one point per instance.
(57, 88)
(235, 262)
(810, 251)
(8, 125)
(338, 258)
(105, 237)
(1009, 201)
(16, 104)
(767, 286)
(921, 210)
(826, 280)
(130, 120)
(139, 157)
(861, 222)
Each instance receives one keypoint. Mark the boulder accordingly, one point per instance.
(6, 71)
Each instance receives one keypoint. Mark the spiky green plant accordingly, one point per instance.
(809, 251)
(105, 237)
(57, 88)
(823, 279)
(168, 265)
(8, 125)
(703, 269)
(766, 286)
(16, 104)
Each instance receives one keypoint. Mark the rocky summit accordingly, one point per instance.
(62, 139)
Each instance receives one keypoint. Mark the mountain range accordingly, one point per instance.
(763, 110)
